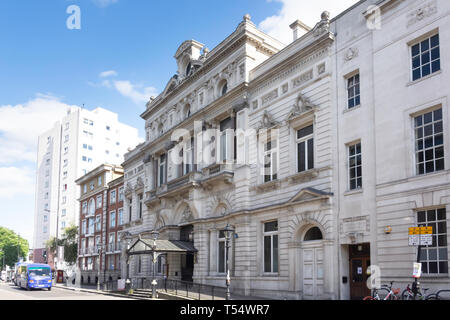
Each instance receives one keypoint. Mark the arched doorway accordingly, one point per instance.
(313, 263)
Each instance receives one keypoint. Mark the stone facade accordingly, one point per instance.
(308, 222)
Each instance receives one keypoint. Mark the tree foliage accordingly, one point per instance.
(12, 247)
(69, 242)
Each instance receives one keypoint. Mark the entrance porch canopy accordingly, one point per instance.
(145, 246)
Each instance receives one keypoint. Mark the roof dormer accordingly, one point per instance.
(186, 55)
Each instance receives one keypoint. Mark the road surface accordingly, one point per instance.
(10, 292)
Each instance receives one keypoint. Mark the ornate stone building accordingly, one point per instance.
(313, 152)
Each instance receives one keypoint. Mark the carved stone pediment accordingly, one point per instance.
(139, 184)
(267, 122)
(128, 189)
(187, 215)
(302, 106)
(310, 194)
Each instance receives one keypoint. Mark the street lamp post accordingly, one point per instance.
(155, 235)
(99, 250)
(228, 234)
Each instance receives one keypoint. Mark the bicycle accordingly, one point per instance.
(408, 293)
(384, 293)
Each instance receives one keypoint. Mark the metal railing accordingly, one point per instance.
(191, 290)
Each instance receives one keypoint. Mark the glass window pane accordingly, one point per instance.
(418, 121)
(416, 74)
(435, 41)
(310, 154)
(420, 145)
(428, 130)
(421, 216)
(429, 167)
(426, 70)
(425, 57)
(275, 253)
(357, 101)
(440, 165)
(416, 62)
(436, 66)
(442, 241)
(425, 45)
(301, 157)
(419, 133)
(433, 267)
(432, 254)
(441, 214)
(305, 132)
(437, 115)
(429, 142)
(435, 54)
(267, 254)
(439, 140)
(415, 50)
(443, 254)
(438, 127)
(442, 227)
(420, 157)
(443, 267)
(271, 226)
(221, 257)
(429, 155)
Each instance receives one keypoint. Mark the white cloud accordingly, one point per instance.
(20, 126)
(306, 11)
(109, 73)
(16, 181)
(104, 3)
(139, 94)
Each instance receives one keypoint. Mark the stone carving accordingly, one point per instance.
(323, 26)
(139, 184)
(351, 54)
(267, 121)
(305, 77)
(269, 97)
(285, 88)
(423, 12)
(301, 106)
(242, 71)
(187, 214)
(321, 69)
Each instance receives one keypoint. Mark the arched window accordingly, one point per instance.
(313, 234)
(188, 68)
(224, 88)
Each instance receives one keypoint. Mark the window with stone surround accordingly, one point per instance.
(305, 149)
(353, 91)
(222, 253)
(271, 160)
(426, 58)
(270, 235)
(434, 258)
(355, 166)
(429, 139)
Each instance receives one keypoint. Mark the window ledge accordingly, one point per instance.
(353, 192)
(410, 83)
(304, 176)
(275, 184)
(347, 110)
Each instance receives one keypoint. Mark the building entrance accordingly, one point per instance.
(359, 262)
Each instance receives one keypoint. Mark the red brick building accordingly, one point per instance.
(115, 221)
(94, 248)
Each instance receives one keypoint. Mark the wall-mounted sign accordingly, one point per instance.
(421, 236)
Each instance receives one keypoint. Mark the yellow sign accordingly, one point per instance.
(421, 230)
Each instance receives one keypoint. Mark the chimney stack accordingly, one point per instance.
(299, 29)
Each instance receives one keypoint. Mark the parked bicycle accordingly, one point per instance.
(384, 293)
(408, 293)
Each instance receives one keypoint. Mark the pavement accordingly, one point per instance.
(10, 292)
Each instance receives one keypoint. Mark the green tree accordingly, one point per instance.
(12, 246)
(69, 242)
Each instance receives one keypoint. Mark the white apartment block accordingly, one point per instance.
(75, 145)
(359, 152)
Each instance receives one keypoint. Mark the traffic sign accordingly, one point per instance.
(420, 236)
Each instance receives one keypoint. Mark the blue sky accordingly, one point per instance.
(122, 55)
